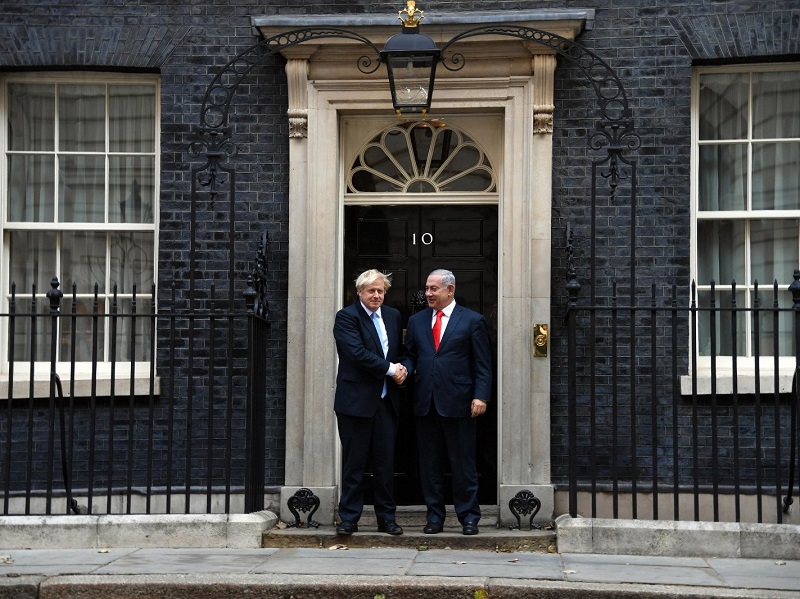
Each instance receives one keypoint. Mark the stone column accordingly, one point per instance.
(309, 425)
(526, 384)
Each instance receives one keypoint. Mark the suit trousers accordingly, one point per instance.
(454, 440)
(365, 442)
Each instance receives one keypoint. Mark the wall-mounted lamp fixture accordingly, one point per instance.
(411, 59)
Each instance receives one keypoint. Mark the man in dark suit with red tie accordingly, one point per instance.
(367, 401)
(448, 351)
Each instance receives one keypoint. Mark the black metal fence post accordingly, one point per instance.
(794, 425)
(573, 288)
(54, 294)
(254, 459)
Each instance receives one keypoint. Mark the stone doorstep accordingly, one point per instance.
(412, 519)
(489, 539)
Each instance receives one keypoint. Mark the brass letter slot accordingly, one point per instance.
(540, 335)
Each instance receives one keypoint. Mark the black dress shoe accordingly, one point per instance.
(432, 528)
(470, 528)
(346, 528)
(390, 527)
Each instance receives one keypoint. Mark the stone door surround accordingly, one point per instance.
(509, 76)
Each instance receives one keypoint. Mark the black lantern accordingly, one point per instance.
(410, 59)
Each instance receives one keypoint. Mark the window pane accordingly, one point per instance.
(723, 106)
(776, 104)
(722, 317)
(81, 195)
(131, 118)
(723, 177)
(421, 158)
(26, 344)
(133, 334)
(466, 157)
(84, 325)
(31, 188)
(467, 170)
(81, 118)
(376, 158)
(776, 175)
(83, 261)
(33, 260)
(766, 324)
(773, 250)
(472, 180)
(131, 188)
(396, 144)
(31, 117)
(132, 262)
(720, 251)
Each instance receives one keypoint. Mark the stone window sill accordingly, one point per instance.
(82, 387)
(746, 382)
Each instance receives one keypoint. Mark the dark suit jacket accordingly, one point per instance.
(362, 367)
(459, 372)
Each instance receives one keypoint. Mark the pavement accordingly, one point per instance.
(341, 569)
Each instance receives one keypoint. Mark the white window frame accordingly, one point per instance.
(745, 365)
(82, 369)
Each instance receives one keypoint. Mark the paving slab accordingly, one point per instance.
(43, 561)
(759, 574)
(397, 573)
(640, 569)
(186, 561)
(366, 562)
(489, 564)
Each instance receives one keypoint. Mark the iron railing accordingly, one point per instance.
(680, 409)
(144, 410)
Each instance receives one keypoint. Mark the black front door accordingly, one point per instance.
(409, 242)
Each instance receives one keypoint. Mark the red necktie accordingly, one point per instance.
(437, 330)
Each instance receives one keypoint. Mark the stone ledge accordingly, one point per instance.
(153, 531)
(671, 538)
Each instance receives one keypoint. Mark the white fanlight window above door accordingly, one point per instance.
(421, 157)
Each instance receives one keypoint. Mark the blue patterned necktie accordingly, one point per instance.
(377, 321)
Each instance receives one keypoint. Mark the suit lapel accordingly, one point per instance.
(455, 316)
(369, 324)
(430, 312)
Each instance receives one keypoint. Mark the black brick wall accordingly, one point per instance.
(650, 44)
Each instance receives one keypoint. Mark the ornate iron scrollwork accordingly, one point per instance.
(304, 501)
(256, 293)
(524, 503)
(418, 301)
(217, 147)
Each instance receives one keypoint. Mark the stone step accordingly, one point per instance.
(414, 515)
(412, 519)
(538, 541)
